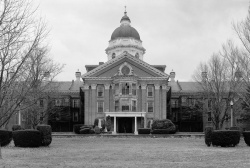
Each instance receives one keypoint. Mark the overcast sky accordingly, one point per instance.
(177, 33)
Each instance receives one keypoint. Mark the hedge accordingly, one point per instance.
(5, 137)
(77, 128)
(225, 138)
(16, 127)
(246, 135)
(234, 128)
(144, 131)
(208, 135)
(85, 131)
(27, 138)
(165, 125)
(46, 137)
(160, 131)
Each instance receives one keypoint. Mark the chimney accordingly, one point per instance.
(172, 76)
(204, 76)
(78, 75)
(100, 63)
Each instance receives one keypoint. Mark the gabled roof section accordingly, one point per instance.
(124, 56)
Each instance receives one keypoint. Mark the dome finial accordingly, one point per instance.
(125, 13)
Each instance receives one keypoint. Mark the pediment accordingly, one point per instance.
(112, 67)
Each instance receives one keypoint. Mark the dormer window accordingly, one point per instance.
(113, 55)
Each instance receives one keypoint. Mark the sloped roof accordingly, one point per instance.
(120, 57)
(190, 87)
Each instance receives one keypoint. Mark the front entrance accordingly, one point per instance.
(125, 124)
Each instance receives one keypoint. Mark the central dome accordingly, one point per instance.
(125, 31)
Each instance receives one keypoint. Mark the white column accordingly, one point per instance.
(19, 117)
(114, 125)
(136, 132)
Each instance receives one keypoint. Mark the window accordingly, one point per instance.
(116, 89)
(150, 91)
(174, 103)
(150, 107)
(58, 102)
(209, 116)
(125, 108)
(75, 103)
(116, 105)
(41, 103)
(75, 116)
(134, 89)
(133, 105)
(113, 55)
(100, 106)
(125, 88)
(136, 55)
(100, 91)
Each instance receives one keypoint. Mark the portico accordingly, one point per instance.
(135, 115)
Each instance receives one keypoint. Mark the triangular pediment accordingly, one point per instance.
(111, 68)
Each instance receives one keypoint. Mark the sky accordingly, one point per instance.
(177, 33)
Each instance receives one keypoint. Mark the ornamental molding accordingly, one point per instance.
(106, 86)
(129, 56)
(93, 86)
(125, 46)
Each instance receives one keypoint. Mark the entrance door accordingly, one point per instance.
(125, 125)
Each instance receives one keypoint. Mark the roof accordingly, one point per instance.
(124, 56)
(125, 31)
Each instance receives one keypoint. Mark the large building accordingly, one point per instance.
(126, 88)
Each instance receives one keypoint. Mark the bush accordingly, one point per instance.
(86, 126)
(166, 125)
(46, 137)
(160, 131)
(27, 138)
(96, 122)
(16, 127)
(234, 128)
(246, 135)
(77, 128)
(103, 124)
(97, 130)
(5, 137)
(108, 123)
(143, 131)
(225, 138)
(208, 135)
(85, 131)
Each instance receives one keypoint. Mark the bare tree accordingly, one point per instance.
(23, 61)
(218, 84)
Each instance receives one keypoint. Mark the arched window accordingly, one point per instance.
(136, 55)
(113, 55)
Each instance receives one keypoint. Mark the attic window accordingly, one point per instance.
(125, 70)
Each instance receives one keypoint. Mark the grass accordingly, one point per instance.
(126, 152)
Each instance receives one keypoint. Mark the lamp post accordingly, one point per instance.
(231, 104)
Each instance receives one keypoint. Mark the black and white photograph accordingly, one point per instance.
(124, 83)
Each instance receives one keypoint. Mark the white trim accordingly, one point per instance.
(125, 114)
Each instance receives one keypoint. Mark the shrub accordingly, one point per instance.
(246, 135)
(91, 131)
(225, 138)
(86, 126)
(97, 130)
(108, 123)
(27, 138)
(208, 135)
(103, 124)
(16, 127)
(165, 124)
(234, 128)
(148, 124)
(5, 137)
(77, 128)
(96, 122)
(85, 131)
(160, 131)
(46, 137)
(143, 131)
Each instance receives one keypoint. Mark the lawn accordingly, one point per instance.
(126, 152)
